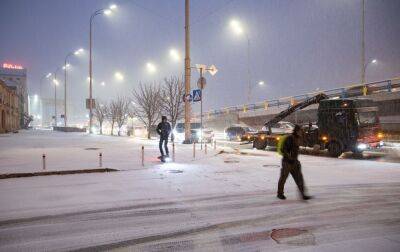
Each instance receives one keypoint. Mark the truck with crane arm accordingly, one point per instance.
(343, 124)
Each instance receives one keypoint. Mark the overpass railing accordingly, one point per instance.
(390, 85)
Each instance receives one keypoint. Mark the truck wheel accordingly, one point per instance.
(259, 144)
(334, 149)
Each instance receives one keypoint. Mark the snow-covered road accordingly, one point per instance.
(217, 202)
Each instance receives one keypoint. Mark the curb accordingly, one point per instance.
(49, 173)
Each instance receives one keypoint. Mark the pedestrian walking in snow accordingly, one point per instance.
(291, 164)
(164, 129)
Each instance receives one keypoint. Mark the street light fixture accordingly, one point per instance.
(373, 61)
(174, 54)
(112, 7)
(119, 76)
(65, 67)
(237, 28)
(56, 82)
(261, 83)
(151, 68)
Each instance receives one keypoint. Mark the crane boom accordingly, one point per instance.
(307, 102)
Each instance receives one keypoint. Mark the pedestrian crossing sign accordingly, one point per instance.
(196, 95)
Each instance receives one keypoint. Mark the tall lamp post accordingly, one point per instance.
(56, 82)
(98, 12)
(373, 61)
(77, 52)
(45, 76)
(237, 28)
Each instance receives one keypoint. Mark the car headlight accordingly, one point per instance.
(362, 146)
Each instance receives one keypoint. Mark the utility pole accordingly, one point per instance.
(65, 92)
(201, 108)
(363, 42)
(187, 73)
(248, 70)
(90, 75)
(55, 98)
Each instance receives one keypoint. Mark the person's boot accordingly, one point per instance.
(281, 196)
(306, 197)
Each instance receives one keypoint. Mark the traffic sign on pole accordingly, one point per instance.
(212, 70)
(188, 98)
(196, 95)
(201, 82)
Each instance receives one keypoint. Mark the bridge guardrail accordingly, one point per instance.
(389, 85)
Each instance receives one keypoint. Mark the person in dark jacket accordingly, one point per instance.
(164, 129)
(291, 164)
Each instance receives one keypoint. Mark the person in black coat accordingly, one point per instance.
(291, 164)
(164, 129)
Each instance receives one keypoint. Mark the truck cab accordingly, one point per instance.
(348, 125)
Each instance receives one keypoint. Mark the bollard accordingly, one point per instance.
(142, 155)
(215, 144)
(173, 151)
(44, 161)
(194, 150)
(205, 148)
(100, 160)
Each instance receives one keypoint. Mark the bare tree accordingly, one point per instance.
(101, 113)
(122, 112)
(112, 114)
(147, 100)
(172, 98)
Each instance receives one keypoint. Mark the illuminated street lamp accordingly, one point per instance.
(373, 61)
(261, 83)
(65, 67)
(174, 54)
(151, 68)
(106, 12)
(56, 82)
(119, 76)
(237, 29)
(45, 76)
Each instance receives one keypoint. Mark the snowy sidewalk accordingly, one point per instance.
(215, 202)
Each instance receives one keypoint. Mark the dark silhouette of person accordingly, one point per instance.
(291, 164)
(164, 129)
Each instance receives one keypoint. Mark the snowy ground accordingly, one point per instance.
(215, 202)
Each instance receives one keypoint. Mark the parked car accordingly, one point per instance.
(239, 133)
(281, 127)
(195, 129)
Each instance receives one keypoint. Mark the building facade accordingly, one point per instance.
(9, 109)
(16, 76)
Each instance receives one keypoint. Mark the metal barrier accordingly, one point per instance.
(354, 90)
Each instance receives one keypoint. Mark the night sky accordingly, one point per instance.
(296, 46)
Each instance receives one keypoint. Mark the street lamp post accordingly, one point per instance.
(46, 76)
(55, 81)
(98, 12)
(77, 52)
(237, 28)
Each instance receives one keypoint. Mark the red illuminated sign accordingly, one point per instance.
(12, 66)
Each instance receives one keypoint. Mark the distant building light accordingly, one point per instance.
(12, 66)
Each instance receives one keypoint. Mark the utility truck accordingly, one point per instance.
(343, 124)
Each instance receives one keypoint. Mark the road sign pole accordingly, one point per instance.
(201, 108)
